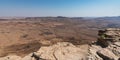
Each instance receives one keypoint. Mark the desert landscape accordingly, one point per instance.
(26, 35)
(59, 29)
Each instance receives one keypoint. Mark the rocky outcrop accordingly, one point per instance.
(106, 48)
(92, 55)
(108, 45)
(59, 51)
(109, 53)
(108, 36)
(62, 51)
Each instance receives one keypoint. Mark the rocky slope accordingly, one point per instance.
(106, 48)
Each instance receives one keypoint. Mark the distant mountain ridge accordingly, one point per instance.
(87, 18)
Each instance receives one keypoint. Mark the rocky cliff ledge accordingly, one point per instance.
(106, 48)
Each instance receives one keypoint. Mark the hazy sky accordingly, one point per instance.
(71, 8)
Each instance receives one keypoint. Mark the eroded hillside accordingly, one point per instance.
(23, 36)
(107, 47)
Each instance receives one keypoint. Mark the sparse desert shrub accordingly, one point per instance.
(103, 36)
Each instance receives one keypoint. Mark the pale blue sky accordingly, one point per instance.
(69, 8)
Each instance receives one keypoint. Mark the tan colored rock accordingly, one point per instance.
(92, 55)
(107, 54)
(28, 57)
(117, 43)
(115, 48)
(116, 51)
(62, 51)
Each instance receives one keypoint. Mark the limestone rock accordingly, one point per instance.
(61, 51)
(107, 54)
(117, 44)
(115, 48)
(92, 55)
